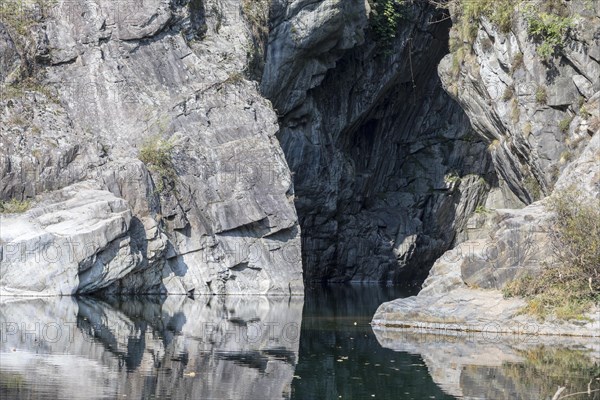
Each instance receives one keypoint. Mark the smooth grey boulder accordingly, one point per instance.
(61, 247)
(462, 309)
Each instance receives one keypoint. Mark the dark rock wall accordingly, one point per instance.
(386, 167)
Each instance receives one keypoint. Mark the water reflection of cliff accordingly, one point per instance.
(480, 366)
(175, 347)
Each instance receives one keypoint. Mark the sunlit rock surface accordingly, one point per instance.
(109, 78)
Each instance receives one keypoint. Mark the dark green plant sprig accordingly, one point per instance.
(550, 31)
(385, 20)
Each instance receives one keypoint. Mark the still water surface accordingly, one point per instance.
(319, 347)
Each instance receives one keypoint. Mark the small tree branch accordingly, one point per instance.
(573, 394)
(558, 392)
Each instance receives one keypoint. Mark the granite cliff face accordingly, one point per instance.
(542, 118)
(89, 89)
(537, 113)
(156, 165)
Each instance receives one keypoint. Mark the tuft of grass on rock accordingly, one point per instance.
(234, 78)
(517, 63)
(14, 206)
(157, 154)
(509, 93)
(541, 95)
(565, 123)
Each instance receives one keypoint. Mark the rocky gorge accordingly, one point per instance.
(227, 147)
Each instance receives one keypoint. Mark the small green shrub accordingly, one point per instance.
(571, 286)
(517, 62)
(541, 96)
(499, 12)
(577, 233)
(565, 123)
(157, 154)
(385, 19)
(549, 30)
(584, 113)
(508, 94)
(257, 15)
(20, 15)
(533, 188)
(29, 84)
(502, 15)
(16, 16)
(481, 210)
(14, 206)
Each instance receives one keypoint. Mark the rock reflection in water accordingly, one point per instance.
(503, 367)
(174, 347)
(341, 358)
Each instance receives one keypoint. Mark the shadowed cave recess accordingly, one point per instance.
(386, 166)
